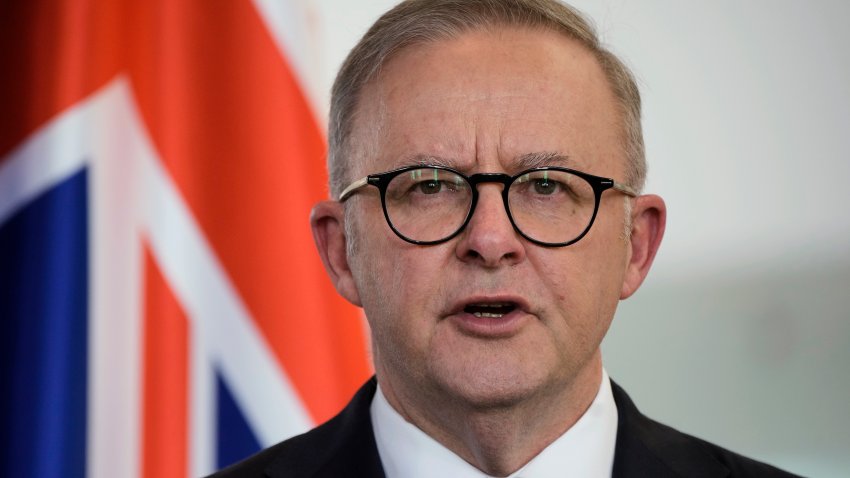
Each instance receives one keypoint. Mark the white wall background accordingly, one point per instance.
(741, 334)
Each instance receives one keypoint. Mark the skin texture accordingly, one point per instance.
(496, 393)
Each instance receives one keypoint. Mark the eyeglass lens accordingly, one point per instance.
(549, 206)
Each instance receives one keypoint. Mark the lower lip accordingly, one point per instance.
(490, 327)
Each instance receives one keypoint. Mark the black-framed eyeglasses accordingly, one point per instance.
(550, 206)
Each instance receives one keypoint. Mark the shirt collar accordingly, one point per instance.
(586, 449)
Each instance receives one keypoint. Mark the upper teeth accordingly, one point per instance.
(487, 314)
(490, 305)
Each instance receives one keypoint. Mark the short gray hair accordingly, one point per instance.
(423, 21)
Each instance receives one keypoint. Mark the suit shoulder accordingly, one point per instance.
(255, 465)
(738, 466)
(658, 450)
(342, 446)
(298, 452)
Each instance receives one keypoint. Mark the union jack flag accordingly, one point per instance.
(162, 310)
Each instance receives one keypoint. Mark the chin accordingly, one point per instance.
(489, 387)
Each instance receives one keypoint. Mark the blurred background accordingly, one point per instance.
(148, 226)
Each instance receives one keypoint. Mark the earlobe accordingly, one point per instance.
(649, 217)
(327, 219)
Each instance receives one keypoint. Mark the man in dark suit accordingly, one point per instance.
(487, 161)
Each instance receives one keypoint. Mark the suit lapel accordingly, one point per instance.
(342, 447)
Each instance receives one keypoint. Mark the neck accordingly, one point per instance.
(497, 440)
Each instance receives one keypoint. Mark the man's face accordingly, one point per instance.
(479, 103)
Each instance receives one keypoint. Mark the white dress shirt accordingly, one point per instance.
(585, 450)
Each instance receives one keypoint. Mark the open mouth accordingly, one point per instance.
(491, 310)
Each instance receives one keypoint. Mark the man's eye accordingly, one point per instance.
(429, 187)
(545, 186)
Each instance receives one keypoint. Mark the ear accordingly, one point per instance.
(327, 219)
(649, 217)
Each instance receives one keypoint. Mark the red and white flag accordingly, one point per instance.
(162, 307)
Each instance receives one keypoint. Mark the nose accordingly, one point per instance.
(489, 239)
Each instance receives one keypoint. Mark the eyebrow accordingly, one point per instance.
(525, 161)
(428, 160)
(542, 159)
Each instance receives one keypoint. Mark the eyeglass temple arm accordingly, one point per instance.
(627, 190)
(347, 192)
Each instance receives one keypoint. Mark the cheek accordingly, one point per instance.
(604, 254)
(399, 283)
(402, 304)
(379, 286)
(414, 280)
(584, 285)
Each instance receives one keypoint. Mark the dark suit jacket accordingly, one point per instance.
(345, 447)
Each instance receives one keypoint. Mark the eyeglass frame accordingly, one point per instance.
(382, 180)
